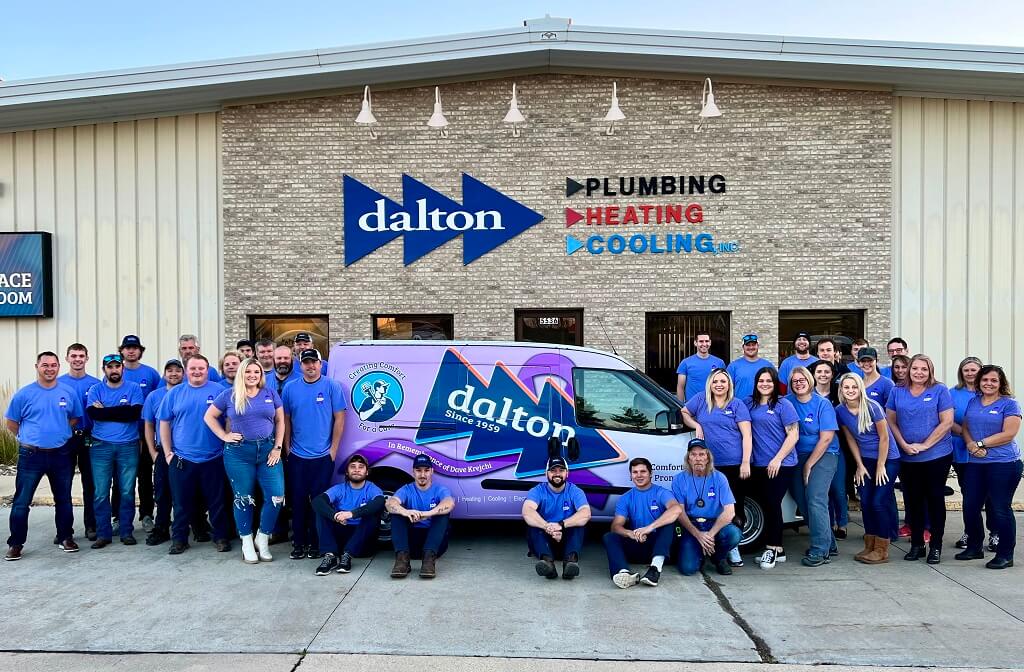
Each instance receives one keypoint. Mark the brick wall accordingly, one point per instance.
(809, 197)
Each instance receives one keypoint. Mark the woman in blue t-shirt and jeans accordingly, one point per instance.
(920, 415)
(252, 453)
(993, 470)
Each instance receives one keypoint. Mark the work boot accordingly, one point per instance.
(869, 545)
(879, 553)
(428, 569)
(571, 567)
(157, 537)
(546, 567)
(402, 566)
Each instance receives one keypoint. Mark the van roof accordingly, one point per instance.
(489, 344)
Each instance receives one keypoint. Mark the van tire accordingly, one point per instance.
(753, 523)
(389, 481)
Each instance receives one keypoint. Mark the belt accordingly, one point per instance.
(29, 446)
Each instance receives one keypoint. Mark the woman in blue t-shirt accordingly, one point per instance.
(873, 450)
(966, 388)
(920, 415)
(773, 429)
(724, 423)
(827, 386)
(252, 440)
(993, 470)
(817, 454)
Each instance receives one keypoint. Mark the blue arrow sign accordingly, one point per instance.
(572, 244)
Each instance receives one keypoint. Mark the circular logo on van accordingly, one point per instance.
(377, 396)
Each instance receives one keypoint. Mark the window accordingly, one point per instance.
(282, 329)
(562, 326)
(413, 327)
(670, 341)
(842, 326)
(621, 401)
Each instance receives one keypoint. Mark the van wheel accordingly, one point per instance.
(753, 524)
(389, 482)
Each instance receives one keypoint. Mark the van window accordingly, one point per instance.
(618, 400)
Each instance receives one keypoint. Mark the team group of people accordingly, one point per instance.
(260, 432)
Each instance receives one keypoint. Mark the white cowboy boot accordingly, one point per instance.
(248, 550)
(263, 547)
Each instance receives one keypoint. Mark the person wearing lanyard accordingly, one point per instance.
(174, 373)
(817, 454)
(694, 370)
(252, 454)
(77, 356)
(708, 512)
(774, 433)
(966, 389)
(867, 433)
(920, 415)
(555, 514)
(990, 427)
(824, 373)
(876, 386)
(43, 415)
(743, 370)
(724, 423)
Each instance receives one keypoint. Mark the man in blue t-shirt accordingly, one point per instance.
(347, 518)
(147, 378)
(556, 513)
(77, 356)
(419, 520)
(174, 373)
(803, 357)
(42, 415)
(314, 419)
(194, 455)
(743, 370)
(693, 372)
(114, 406)
(642, 529)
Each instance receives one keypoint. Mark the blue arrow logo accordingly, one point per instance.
(428, 219)
(572, 244)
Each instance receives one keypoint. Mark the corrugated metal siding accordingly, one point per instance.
(134, 210)
(959, 231)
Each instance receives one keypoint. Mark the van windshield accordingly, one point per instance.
(618, 400)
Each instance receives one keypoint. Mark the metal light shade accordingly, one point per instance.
(614, 113)
(514, 116)
(708, 106)
(366, 114)
(437, 119)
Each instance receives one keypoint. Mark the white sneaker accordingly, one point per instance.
(249, 550)
(767, 559)
(734, 558)
(625, 579)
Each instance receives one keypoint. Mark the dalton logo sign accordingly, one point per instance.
(427, 219)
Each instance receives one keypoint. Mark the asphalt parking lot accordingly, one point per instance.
(487, 601)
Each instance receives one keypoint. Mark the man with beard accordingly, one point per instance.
(803, 357)
(147, 378)
(285, 370)
(347, 518)
(419, 520)
(114, 406)
(556, 513)
(77, 356)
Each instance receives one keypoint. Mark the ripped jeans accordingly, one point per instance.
(246, 464)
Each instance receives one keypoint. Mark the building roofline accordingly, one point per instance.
(541, 45)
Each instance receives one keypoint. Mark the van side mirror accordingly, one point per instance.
(574, 449)
(661, 421)
(554, 447)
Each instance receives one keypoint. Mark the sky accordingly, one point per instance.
(59, 37)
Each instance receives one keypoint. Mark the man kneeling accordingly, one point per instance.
(708, 510)
(556, 512)
(347, 518)
(419, 521)
(651, 512)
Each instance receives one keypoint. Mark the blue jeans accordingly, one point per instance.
(812, 499)
(110, 460)
(540, 544)
(621, 551)
(690, 556)
(878, 504)
(34, 463)
(994, 481)
(246, 464)
(838, 507)
(414, 540)
(187, 480)
(307, 478)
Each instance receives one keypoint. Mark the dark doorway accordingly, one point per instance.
(670, 340)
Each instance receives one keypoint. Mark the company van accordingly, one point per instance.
(489, 414)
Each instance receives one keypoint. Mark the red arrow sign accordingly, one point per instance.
(571, 217)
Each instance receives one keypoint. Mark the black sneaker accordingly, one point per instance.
(297, 553)
(546, 567)
(344, 564)
(157, 537)
(993, 542)
(222, 545)
(129, 540)
(327, 565)
(90, 533)
(313, 553)
(962, 543)
(651, 576)
(178, 547)
(201, 537)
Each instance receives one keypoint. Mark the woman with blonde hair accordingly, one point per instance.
(867, 433)
(723, 422)
(252, 453)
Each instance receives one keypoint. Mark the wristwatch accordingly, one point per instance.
(979, 444)
(561, 524)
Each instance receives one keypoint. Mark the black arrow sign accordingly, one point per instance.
(571, 187)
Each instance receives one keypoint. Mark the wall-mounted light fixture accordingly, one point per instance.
(614, 113)
(366, 117)
(708, 108)
(437, 119)
(514, 116)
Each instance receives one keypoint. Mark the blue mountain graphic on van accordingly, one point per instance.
(504, 417)
(427, 219)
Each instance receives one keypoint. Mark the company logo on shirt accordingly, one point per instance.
(711, 493)
(927, 399)
(809, 418)
(565, 506)
(319, 397)
(268, 399)
(62, 402)
(209, 399)
(123, 400)
(655, 507)
(770, 412)
(993, 412)
(727, 412)
(143, 384)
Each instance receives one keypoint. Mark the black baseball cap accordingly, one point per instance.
(696, 443)
(422, 460)
(131, 341)
(174, 362)
(801, 334)
(303, 336)
(356, 457)
(309, 353)
(867, 353)
(244, 343)
(557, 463)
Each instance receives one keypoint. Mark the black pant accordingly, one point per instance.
(144, 474)
(80, 455)
(924, 497)
(187, 479)
(769, 493)
(162, 492)
(739, 489)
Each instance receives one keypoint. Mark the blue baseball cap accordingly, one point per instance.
(696, 443)
(422, 460)
(750, 338)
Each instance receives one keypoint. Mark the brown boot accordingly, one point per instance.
(402, 566)
(869, 545)
(428, 569)
(880, 554)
